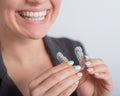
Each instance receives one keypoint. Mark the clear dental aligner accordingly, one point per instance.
(80, 56)
(78, 53)
(61, 58)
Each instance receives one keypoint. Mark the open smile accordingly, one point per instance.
(34, 16)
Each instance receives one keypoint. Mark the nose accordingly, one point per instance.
(36, 1)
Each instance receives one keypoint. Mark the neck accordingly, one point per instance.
(25, 51)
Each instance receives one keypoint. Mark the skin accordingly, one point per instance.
(98, 82)
(32, 73)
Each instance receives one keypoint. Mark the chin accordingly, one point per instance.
(36, 36)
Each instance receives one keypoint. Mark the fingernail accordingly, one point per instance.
(88, 63)
(79, 74)
(87, 57)
(90, 69)
(70, 63)
(96, 74)
(78, 67)
(77, 82)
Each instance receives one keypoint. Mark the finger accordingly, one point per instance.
(102, 73)
(69, 90)
(93, 62)
(49, 72)
(106, 78)
(61, 86)
(53, 79)
(102, 68)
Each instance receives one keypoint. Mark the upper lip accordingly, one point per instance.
(35, 9)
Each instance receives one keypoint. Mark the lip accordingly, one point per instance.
(47, 17)
(35, 10)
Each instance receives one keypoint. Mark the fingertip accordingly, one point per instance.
(77, 82)
(90, 69)
(70, 63)
(87, 57)
(79, 74)
(88, 63)
(96, 74)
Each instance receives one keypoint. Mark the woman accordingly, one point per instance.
(28, 64)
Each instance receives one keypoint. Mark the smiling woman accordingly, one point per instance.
(28, 62)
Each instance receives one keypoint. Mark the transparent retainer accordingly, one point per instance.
(61, 58)
(80, 56)
(82, 59)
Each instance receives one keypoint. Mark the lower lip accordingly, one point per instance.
(34, 22)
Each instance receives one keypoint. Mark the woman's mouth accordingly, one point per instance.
(34, 16)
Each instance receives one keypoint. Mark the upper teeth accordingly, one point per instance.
(34, 14)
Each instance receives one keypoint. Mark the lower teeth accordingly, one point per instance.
(33, 19)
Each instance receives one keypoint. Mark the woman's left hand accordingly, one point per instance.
(98, 82)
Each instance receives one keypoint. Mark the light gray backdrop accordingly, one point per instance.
(97, 24)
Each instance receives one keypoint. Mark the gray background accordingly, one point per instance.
(97, 24)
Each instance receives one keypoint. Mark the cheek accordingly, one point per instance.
(56, 4)
(9, 4)
(7, 9)
(56, 7)
(6, 4)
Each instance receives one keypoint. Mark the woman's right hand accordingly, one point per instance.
(61, 80)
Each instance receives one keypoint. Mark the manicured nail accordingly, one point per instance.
(90, 69)
(87, 57)
(79, 74)
(96, 74)
(78, 67)
(70, 63)
(88, 63)
(77, 82)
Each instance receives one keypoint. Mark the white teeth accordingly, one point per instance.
(31, 14)
(29, 18)
(35, 19)
(34, 14)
